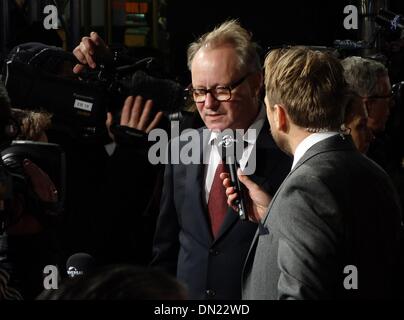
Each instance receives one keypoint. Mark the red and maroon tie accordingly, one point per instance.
(217, 202)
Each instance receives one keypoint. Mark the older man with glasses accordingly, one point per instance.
(370, 80)
(198, 237)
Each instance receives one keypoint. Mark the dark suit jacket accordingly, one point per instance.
(210, 268)
(335, 210)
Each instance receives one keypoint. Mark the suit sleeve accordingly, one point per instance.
(166, 241)
(307, 252)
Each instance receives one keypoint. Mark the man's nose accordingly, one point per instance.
(210, 101)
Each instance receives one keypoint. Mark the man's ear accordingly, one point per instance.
(281, 118)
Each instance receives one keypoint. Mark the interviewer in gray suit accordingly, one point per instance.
(332, 229)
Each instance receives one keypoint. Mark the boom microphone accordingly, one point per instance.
(79, 264)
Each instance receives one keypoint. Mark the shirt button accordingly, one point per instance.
(214, 252)
(210, 292)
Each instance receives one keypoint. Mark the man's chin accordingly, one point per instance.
(216, 126)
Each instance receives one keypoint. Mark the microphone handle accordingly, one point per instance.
(239, 202)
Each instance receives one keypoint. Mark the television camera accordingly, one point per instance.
(40, 76)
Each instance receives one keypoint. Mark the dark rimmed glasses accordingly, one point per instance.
(220, 93)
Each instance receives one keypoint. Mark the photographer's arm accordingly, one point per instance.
(91, 51)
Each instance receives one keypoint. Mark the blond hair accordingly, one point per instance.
(32, 124)
(229, 33)
(309, 84)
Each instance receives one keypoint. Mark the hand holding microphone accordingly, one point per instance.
(256, 200)
(255, 204)
(228, 145)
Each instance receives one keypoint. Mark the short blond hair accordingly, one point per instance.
(32, 124)
(229, 33)
(309, 84)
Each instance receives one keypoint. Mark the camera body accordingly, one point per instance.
(35, 77)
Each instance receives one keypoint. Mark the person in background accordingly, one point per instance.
(370, 80)
(25, 246)
(127, 238)
(32, 124)
(356, 117)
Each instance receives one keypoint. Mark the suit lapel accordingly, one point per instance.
(196, 204)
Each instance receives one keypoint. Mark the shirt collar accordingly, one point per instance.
(308, 142)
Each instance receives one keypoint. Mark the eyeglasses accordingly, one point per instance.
(219, 93)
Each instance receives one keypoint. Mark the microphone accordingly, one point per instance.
(79, 264)
(228, 148)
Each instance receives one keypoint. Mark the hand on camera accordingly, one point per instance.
(257, 200)
(90, 51)
(136, 115)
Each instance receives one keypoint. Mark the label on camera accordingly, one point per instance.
(83, 105)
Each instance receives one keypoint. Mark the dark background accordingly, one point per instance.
(271, 23)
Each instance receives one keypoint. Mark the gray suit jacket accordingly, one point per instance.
(335, 209)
